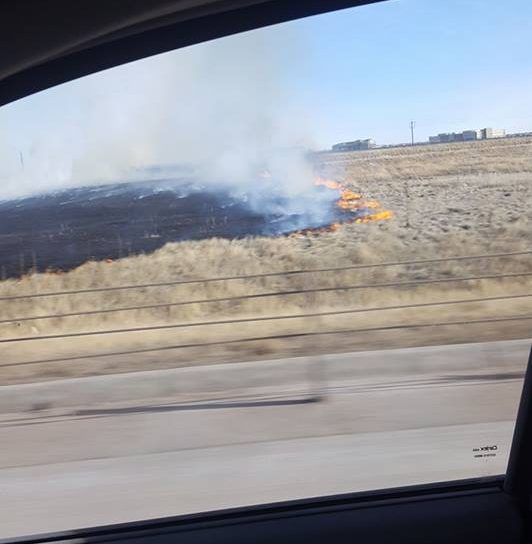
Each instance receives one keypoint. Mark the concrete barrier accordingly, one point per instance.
(295, 376)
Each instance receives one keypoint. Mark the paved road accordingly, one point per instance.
(75, 468)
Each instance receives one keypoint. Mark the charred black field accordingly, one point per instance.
(61, 230)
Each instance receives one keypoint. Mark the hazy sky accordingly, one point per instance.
(364, 72)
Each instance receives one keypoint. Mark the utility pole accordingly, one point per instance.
(412, 125)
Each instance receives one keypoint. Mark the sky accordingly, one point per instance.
(364, 72)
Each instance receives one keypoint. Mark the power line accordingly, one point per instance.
(262, 275)
(263, 295)
(263, 338)
(257, 319)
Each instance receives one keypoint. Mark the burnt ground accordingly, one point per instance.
(62, 230)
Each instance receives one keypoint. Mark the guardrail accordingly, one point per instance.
(410, 283)
(264, 275)
(259, 319)
(264, 338)
(263, 318)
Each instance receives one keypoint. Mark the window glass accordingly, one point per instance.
(289, 263)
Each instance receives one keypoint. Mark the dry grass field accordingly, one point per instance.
(448, 200)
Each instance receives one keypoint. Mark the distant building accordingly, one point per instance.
(443, 137)
(489, 133)
(519, 135)
(468, 135)
(357, 145)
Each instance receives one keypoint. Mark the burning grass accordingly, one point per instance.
(349, 200)
(358, 209)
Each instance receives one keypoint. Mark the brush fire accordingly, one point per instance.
(348, 201)
(37, 230)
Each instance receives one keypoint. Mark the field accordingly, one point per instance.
(448, 200)
(61, 230)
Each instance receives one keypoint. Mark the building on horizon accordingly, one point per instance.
(489, 133)
(468, 135)
(356, 145)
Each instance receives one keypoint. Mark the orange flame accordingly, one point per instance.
(333, 227)
(351, 201)
(372, 204)
(329, 183)
(377, 216)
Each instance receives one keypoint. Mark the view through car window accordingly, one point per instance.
(289, 263)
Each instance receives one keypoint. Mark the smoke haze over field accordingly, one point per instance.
(218, 108)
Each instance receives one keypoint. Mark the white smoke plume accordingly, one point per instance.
(222, 108)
